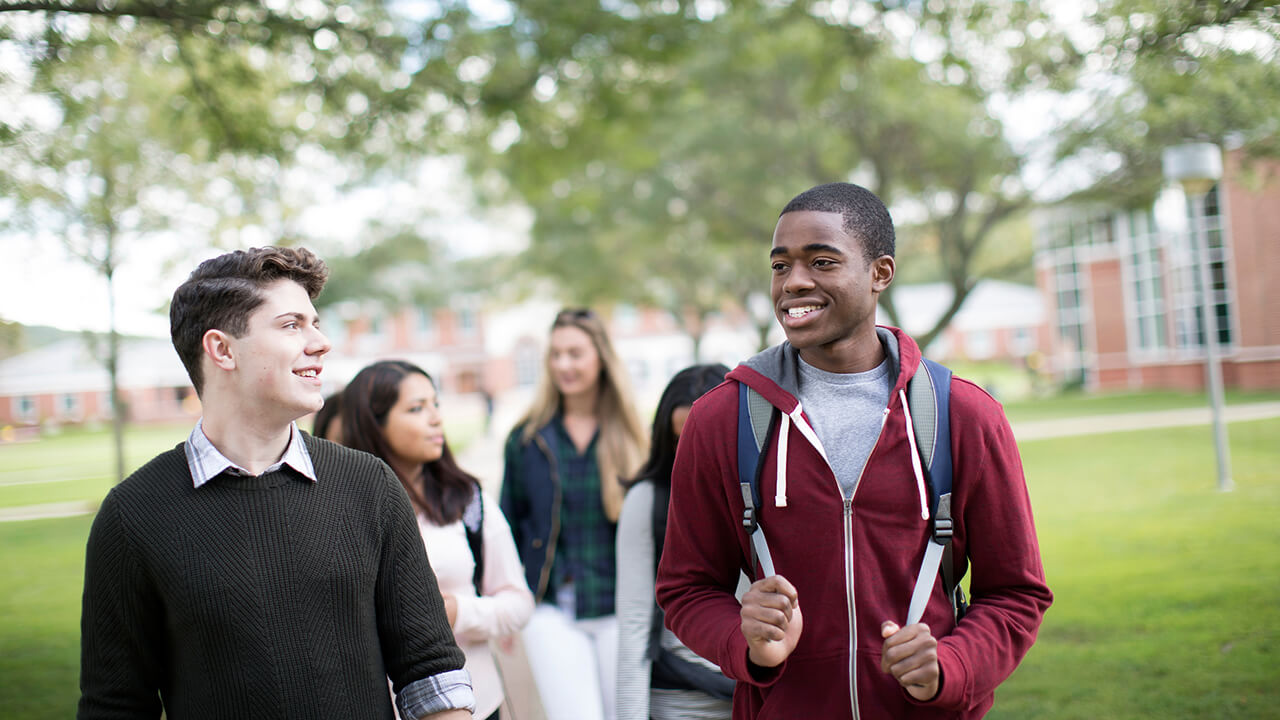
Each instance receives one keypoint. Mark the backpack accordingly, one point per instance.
(930, 401)
(671, 671)
(473, 523)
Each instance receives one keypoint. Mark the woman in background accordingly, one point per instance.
(327, 423)
(391, 409)
(562, 492)
(658, 677)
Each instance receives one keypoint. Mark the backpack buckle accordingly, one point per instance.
(748, 510)
(942, 530)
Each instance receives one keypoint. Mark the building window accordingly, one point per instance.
(528, 360)
(333, 327)
(24, 408)
(468, 322)
(70, 407)
(426, 323)
(1067, 283)
(979, 344)
(1189, 331)
(1091, 230)
(1144, 289)
(376, 340)
(1021, 341)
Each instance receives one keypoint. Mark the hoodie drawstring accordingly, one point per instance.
(780, 493)
(784, 429)
(915, 457)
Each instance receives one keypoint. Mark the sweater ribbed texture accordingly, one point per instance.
(258, 597)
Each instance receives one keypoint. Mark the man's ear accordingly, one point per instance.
(217, 347)
(882, 269)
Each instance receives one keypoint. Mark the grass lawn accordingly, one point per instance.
(77, 465)
(41, 573)
(1167, 591)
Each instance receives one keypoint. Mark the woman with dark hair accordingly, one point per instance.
(658, 677)
(391, 409)
(327, 423)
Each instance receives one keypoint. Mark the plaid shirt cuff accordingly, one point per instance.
(449, 690)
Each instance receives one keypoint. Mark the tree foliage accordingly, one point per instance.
(654, 141)
(656, 169)
(1169, 73)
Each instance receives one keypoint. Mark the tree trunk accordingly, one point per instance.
(118, 409)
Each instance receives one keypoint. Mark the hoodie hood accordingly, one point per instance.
(775, 374)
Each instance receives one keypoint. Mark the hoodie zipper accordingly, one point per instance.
(848, 572)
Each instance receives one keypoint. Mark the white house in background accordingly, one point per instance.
(998, 321)
(67, 382)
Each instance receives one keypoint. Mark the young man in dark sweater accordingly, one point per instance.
(254, 571)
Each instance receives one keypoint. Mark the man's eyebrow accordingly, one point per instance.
(300, 317)
(811, 247)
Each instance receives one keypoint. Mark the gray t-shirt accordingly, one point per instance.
(846, 411)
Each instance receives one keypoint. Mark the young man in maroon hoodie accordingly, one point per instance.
(844, 507)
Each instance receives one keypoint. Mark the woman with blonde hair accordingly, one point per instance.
(562, 492)
(391, 409)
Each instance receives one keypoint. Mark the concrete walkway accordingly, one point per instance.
(47, 511)
(1124, 422)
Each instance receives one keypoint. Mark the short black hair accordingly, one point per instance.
(865, 216)
(222, 292)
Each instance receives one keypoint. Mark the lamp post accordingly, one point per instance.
(1197, 166)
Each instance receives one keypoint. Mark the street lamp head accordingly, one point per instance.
(1196, 166)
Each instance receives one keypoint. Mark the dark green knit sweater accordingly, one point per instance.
(263, 597)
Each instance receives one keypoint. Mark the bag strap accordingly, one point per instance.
(668, 670)
(756, 419)
(473, 522)
(930, 400)
(658, 524)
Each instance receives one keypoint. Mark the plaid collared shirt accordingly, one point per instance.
(449, 690)
(585, 551)
(207, 462)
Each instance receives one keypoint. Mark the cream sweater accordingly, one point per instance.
(505, 606)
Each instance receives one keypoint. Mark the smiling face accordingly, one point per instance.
(276, 364)
(825, 291)
(414, 428)
(573, 361)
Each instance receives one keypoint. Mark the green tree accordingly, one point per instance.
(132, 112)
(655, 172)
(1169, 73)
(12, 338)
(88, 175)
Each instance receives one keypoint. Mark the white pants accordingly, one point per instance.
(574, 663)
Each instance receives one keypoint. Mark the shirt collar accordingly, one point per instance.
(207, 462)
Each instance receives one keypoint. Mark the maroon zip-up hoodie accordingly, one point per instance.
(853, 562)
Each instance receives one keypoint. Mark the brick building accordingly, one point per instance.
(1123, 293)
(65, 383)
